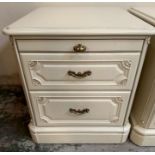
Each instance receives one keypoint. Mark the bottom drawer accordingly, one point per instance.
(79, 108)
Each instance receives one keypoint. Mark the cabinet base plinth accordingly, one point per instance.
(142, 137)
(79, 134)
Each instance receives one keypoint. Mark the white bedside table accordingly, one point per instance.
(143, 113)
(80, 67)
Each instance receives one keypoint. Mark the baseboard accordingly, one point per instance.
(141, 136)
(79, 134)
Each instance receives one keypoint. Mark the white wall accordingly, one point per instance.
(10, 12)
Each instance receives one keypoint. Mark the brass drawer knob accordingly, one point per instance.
(78, 111)
(79, 48)
(79, 74)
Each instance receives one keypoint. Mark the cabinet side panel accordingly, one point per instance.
(24, 84)
(141, 61)
(142, 105)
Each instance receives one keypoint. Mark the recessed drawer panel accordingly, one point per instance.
(80, 71)
(70, 45)
(79, 108)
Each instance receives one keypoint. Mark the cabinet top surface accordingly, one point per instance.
(146, 13)
(79, 21)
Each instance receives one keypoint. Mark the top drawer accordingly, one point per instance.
(71, 45)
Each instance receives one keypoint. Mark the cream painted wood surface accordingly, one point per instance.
(68, 45)
(46, 71)
(79, 21)
(10, 12)
(53, 108)
(79, 134)
(142, 136)
(145, 13)
(143, 113)
(115, 51)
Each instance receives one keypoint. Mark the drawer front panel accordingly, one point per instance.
(79, 108)
(80, 71)
(68, 45)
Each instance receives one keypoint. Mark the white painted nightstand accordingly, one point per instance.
(80, 67)
(143, 113)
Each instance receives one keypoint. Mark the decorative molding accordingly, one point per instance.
(38, 78)
(126, 64)
(125, 67)
(43, 101)
(118, 101)
(40, 99)
(36, 82)
(32, 63)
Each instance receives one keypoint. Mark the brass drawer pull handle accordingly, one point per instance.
(79, 48)
(75, 111)
(79, 74)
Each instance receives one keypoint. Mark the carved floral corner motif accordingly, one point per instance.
(32, 63)
(125, 67)
(118, 101)
(33, 67)
(126, 64)
(42, 103)
(36, 82)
